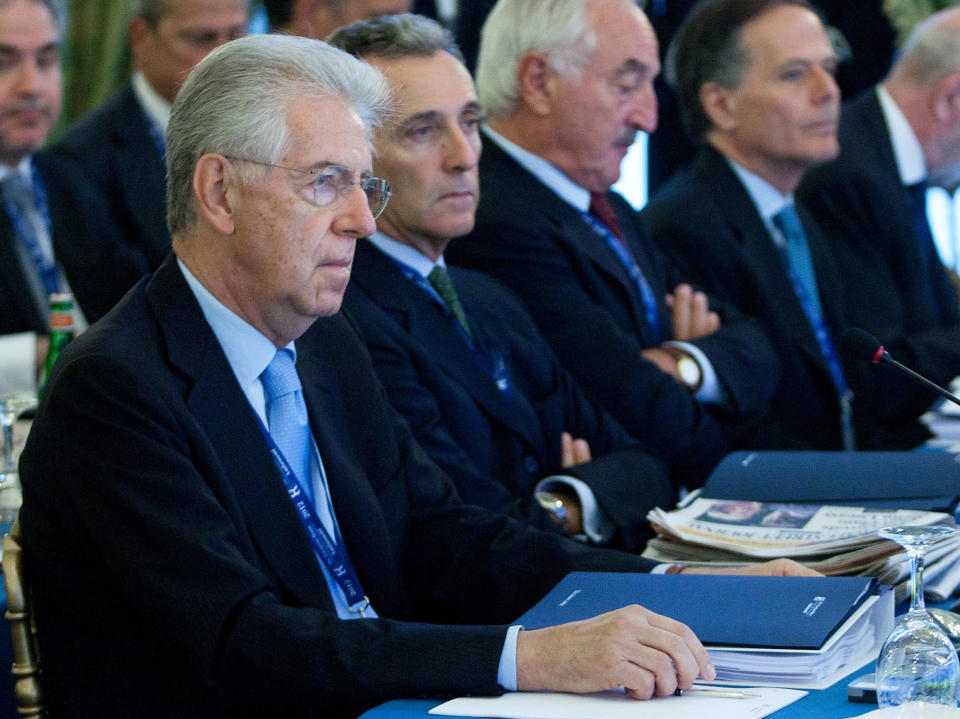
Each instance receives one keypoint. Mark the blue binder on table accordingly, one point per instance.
(884, 480)
(762, 612)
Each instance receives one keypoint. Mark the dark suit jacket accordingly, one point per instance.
(112, 148)
(98, 268)
(706, 220)
(591, 312)
(495, 447)
(171, 574)
(867, 215)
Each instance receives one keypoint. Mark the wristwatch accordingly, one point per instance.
(690, 373)
(554, 505)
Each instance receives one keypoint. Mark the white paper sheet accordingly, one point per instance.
(612, 705)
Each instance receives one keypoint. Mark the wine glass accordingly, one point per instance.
(12, 406)
(918, 662)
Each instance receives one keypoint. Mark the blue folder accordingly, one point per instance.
(762, 612)
(887, 480)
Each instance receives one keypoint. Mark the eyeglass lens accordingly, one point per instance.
(335, 183)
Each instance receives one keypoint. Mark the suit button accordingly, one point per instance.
(531, 465)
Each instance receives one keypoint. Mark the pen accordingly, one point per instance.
(719, 693)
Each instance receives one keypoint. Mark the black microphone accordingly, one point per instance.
(862, 345)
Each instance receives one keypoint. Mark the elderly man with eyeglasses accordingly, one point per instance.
(222, 516)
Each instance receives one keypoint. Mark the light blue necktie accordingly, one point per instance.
(29, 226)
(798, 257)
(287, 415)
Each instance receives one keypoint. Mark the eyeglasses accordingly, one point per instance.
(333, 183)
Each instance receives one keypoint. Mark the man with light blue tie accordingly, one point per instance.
(214, 467)
(755, 84)
(896, 139)
(38, 215)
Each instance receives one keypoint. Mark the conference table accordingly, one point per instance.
(830, 703)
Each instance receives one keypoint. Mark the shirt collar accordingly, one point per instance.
(766, 198)
(25, 168)
(568, 190)
(248, 351)
(155, 106)
(907, 151)
(412, 258)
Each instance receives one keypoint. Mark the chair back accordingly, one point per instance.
(23, 628)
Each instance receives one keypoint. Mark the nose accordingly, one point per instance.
(28, 77)
(461, 149)
(825, 87)
(643, 109)
(354, 218)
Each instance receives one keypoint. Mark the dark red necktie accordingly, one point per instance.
(602, 209)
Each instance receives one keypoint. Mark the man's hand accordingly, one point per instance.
(573, 451)
(646, 653)
(775, 568)
(690, 314)
(664, 360)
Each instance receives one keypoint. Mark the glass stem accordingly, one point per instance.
(916, 580)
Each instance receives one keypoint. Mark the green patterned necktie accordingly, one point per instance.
(442, 283)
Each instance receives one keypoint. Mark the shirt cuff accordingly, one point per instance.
(597, 526)
(664, 568)
(507, 672)
(711, 391)
(18, 362)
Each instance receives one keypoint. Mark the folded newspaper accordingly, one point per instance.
(834, 540)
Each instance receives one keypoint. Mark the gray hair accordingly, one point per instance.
(153, 10)
(55, 7)
(395, 36)
(560, 29)
(234, 103)
(932, 50)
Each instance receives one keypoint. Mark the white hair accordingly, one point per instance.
(932, 49)
(560, 29)
(234, 102)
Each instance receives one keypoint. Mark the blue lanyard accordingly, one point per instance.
(44, 264)
(490, 358)
(330, 550)
(636, 274)
(828, 349)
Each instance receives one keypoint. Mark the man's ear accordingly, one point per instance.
(534, 82)
(719, 105)
(138, 30)
(946, 100)
(215, 188)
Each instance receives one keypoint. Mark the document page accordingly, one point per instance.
(613, 705)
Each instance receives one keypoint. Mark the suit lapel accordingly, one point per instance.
(258, 489)
(23, 305)
(760, 255)
(365, 533)
(139, 161)
(570, 226)
(417, 314)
